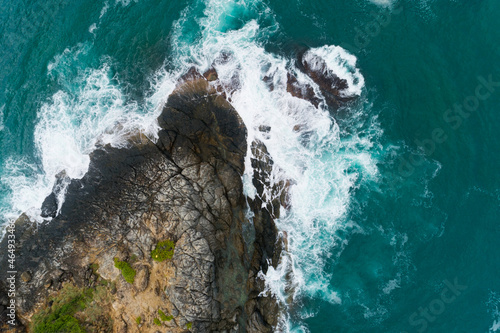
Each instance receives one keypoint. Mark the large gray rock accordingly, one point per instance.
(187, 188)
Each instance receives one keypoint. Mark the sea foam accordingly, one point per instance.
(1, 117)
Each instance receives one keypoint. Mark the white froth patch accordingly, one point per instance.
(93, 28)
(125, 2)
(23, 179)
(340, 63)
(1, 117)
(493, 305)
(104, 10)
(383, 3)
(376, 314)
(391, 285)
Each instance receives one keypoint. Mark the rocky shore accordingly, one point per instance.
(187, 189)
(155, 237)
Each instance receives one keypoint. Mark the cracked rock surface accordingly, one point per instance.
(187, 188)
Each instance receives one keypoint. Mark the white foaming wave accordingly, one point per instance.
(93, 28)
(392, 285)
(1, 117)
(304, 142)
(285, 325)
(493, 305)
(104, 9)
(89, 110)
(220, 14)
(67, 131)
(384, 3)
(163, 83)
(67, 126)
(125, 2)
(423, 6)
(20, 177)
(495, 327)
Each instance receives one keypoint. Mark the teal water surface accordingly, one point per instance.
(405, 228)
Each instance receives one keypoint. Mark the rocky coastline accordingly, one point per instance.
(155, 237)
(186, 188)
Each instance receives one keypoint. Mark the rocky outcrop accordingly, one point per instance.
(185, 188)
(332, 89)
(330, 85)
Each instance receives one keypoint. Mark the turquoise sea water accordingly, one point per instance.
(395, 219)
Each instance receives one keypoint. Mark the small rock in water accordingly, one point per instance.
(265, 128)
(269, 82)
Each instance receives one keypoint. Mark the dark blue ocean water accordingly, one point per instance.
(396, 208)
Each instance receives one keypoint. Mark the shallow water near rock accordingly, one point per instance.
(393, 198)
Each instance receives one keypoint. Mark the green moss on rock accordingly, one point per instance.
(128, 272)
(75, 310)
(60, 316)
(94, 267)
(163, 316)
(164, 250)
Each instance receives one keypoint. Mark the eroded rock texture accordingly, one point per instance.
(186, 188)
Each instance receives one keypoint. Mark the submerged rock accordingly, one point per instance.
(186, 188)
